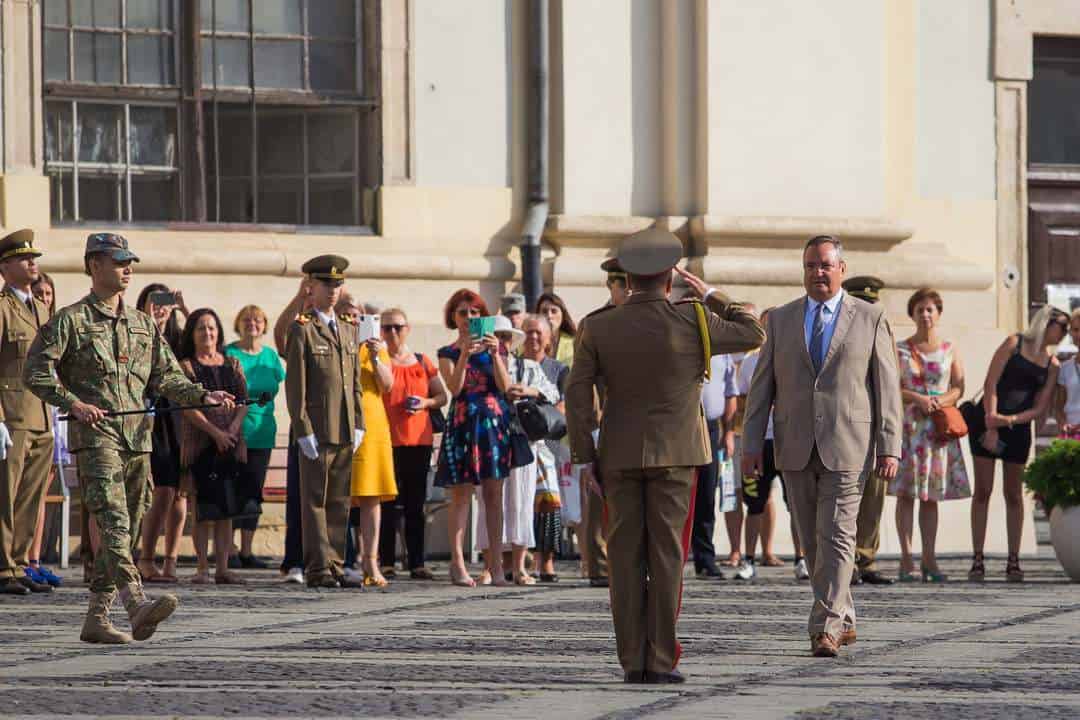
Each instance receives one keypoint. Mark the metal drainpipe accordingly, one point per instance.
(536, 213)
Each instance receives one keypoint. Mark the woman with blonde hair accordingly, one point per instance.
(1019, 387)
(264, 374)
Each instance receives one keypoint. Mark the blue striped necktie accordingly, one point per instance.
(817, 338)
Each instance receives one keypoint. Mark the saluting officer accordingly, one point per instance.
(26, 441)
(322, 386)
(652, 356)
(94, 357)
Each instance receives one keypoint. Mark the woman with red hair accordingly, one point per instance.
(476, 444)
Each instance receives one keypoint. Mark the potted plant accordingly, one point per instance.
(1054, 478)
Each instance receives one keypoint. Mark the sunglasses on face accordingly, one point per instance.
(394, 328)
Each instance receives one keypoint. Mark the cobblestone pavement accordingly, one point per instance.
(426, 649)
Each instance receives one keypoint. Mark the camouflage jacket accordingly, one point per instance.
(111, 359)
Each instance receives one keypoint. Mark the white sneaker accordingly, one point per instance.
(352, 574)
(746, 571)
(295, 575)
(801, 571)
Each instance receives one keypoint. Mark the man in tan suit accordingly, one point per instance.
(26, 441)
(652, 357)
(322, 387)
(828, 372)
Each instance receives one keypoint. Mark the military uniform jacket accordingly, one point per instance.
(111, 359)
(649, 354)
(19, 408)
(322, 380)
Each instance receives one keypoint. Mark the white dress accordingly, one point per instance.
(519, 490)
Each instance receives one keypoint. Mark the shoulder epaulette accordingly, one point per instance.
(303, 318)
(347, 318)
(599, 310)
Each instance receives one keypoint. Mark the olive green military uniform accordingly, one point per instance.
(868, 524)
(111, 359)
(650, 355)
(24, 472)
(322, 387)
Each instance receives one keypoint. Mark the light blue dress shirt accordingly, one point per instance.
(828, 316)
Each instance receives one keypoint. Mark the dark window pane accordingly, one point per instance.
(234, 137)
(332, 18)
(96, 13)
(153, 198)
(280, 145)
(100, 130)
(101, 198)
(236, 204)
(279, 17)
(333, 66)
(232, 15)
(150, 14)
(153, 136)
(279, 64)
(56, 55)
(61, 197)
(56, 12)
(97, 58)
(331, 202)
(150, 60)
(331, 142)
(281, 201)
(232, 62)
(58, 132)
(1054, 102)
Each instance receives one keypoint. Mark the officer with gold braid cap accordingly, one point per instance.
(652, 356)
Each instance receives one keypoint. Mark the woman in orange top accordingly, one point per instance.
(417, 392)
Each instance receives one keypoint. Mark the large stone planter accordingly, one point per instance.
(1065, 535)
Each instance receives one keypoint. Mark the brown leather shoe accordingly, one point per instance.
(822, 645)
(847, 637)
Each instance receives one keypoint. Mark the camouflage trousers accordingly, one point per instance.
(117, 491)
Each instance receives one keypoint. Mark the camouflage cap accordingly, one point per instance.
(17, 244)
(512, 303)
(115, 246)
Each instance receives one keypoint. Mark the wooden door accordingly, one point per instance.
(1053, 232)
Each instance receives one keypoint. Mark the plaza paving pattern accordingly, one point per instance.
(426, 649)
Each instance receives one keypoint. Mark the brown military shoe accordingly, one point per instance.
(145, 614)
(847, 637)
(97, 628)
(822, 645)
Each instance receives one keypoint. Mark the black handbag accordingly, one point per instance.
(521, 453)
(974, 415)
(539, 419)
(438, 420)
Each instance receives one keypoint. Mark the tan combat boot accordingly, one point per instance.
(145, 614)
(97, 628)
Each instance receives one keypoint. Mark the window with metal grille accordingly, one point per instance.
(230, 111)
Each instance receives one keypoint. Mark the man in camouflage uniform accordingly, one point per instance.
(95, 357)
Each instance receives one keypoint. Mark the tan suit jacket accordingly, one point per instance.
(322, 380)
(851, 411)
(20, 409)
(649, 354)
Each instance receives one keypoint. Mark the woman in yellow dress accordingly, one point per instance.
(373, 463)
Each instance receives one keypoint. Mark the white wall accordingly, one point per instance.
(462, 94)
(611, 120)
(795, 107)
(956, 151)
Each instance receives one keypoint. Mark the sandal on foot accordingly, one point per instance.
(1013, 573)
(485, 578)
(376, 582)
(465, 580)
(228, 578)
(977, 573)
(201, 578)
(772, 561)
(524, 579)
(421, 573)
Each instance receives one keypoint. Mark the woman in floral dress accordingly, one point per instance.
(931, 377)
(476, 445)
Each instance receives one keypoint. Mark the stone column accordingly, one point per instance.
(24, 190)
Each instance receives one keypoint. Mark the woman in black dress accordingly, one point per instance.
(212, 446)
(1019, 387)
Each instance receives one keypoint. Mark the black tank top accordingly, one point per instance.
(1021, 380)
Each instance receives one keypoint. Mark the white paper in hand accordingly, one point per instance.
(367, 327)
